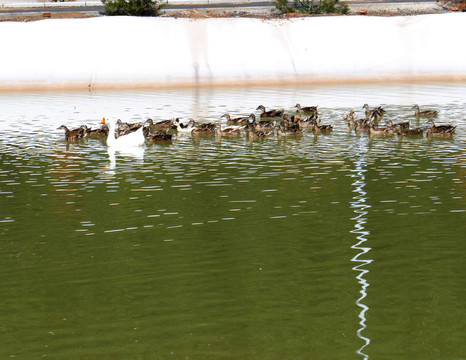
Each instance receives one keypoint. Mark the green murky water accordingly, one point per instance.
(330, 247)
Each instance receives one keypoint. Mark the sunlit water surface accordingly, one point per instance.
(334, 246)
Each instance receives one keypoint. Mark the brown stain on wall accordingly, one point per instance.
(211, 82)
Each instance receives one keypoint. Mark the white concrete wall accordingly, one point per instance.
(157, 52)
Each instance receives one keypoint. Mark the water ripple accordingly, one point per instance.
(360, 206)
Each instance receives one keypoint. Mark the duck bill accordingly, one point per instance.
(103, 121)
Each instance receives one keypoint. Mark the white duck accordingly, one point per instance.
(135, 138)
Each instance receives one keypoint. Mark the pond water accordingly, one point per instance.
(336, 246)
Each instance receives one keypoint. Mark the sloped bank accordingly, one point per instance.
(112, 52)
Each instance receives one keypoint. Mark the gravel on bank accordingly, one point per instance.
(265, 12)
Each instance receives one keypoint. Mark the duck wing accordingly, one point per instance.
(135, 138)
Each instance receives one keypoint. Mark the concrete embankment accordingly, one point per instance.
(114, 52)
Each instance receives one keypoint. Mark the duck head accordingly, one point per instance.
(109, 122)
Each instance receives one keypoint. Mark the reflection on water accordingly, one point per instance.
(135, 154)
(360, 208)
(213, 247)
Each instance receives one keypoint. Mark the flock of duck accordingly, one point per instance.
(118, 133)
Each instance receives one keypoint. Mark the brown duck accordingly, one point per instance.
(440, 130)
(374, 114)
(205, 128)
(403, 126)
(259, 134)
(98, 133)
(163, 124)
(229, 131)
(123, 128)
(380, 131)
(322, 128)
(308, 110)
(158, 135)
(409, 132)
(236, 121)
(270, 113)
(263, 125)
(424, 113)
(292, 130)
(75, 134)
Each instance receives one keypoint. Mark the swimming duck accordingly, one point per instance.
(424, 113)
(259, 134)
(251, 120)
(134, 138)
(368, 111)
(441, 130)
(380, 131)
(263, 125)
(163, 124)
(309, 123)
(362, 125)
(403, 126)
(270, 113)
(375, 113)
(350, 119)
(123, 128)
(290, 120)
(409, 132)
(309, 110)
(229, 131)
(185, 128)
(75, 134)
(349, 116)
(98, 133)
(158, 135)
(322, 128)
(289, 130)
(236, 121)
(353, 123)
(205, 128)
